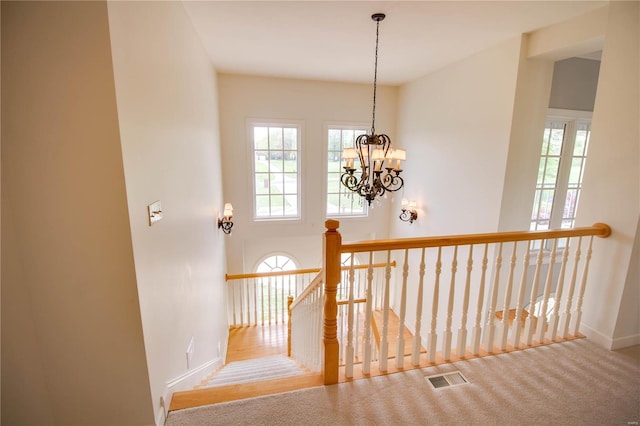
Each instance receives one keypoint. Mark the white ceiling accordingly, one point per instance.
(335, 40)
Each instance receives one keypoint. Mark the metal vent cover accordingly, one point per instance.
(453, 378)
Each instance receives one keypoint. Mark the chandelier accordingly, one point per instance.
(378, 163)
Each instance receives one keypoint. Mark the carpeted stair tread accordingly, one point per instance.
(254, 370)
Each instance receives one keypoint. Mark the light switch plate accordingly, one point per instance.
(155, 212)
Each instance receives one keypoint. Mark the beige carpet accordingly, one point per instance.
(573, 383)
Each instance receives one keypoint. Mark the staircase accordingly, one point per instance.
(254, 370)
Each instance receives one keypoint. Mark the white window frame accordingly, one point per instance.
(298, 125)
(571, 120)
(342, 126)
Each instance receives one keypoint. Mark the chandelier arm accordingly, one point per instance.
(392, 183)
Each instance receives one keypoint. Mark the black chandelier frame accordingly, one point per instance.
(373, 152)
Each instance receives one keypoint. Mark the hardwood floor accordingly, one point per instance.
(256, 342)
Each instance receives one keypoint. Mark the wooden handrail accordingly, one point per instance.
(313, 285)
(298, 272)
(598, 229)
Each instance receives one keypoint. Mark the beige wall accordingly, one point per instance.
(611, 186)
(314, 104)
(457, 144)
(168, 116)
(72, 344)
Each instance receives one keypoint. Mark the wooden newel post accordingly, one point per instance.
(332, 242)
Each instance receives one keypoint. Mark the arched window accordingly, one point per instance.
(276, 263)
(272, 291)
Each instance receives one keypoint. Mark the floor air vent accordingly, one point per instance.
(448, 379)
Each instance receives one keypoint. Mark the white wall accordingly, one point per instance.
(611, 186)
(455, 124)
(72, 338)
(314, 104)
(168, 115)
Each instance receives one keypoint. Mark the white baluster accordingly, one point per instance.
(583, 284)
(233, 301)
(517, 321)
(384, 340)
(255, 302)
(432, 338)
(553, 323)
(490, 328)
(477, 328)
(530, 321)
(262, 299)
(349, 360)
(417, 338)
(403, 311)
(566, 318)
(446, 340)
(461, 347)
(507, 298)
(542, 318)
(366, 346)
(283, 300)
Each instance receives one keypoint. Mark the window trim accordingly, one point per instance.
(351, 125)
(269, 122)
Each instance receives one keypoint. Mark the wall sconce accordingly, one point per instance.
(409, 212)
(225, 222)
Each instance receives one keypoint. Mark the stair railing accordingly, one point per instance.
(306, 315)
(489, 301)
(261, 298)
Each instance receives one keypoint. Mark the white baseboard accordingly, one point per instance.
(625, 342)
(186, 381)
(608, 342)
(595, 336)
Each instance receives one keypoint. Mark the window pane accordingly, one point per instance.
(262, 205)
(277, 205)
(291, 183)
(575, 176)
(290, 161)
(551, 171)
(262, 183)
(541, 168)
(545, 140)
(275, 138)
(555, 144)
(570, 203)
(546, 204)
(260, 138)
(290, 138)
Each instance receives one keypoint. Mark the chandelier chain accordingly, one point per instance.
(375, 81)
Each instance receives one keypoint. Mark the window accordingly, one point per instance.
(276, 184)
(560, 171)
(340, 200)
(276, 263)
